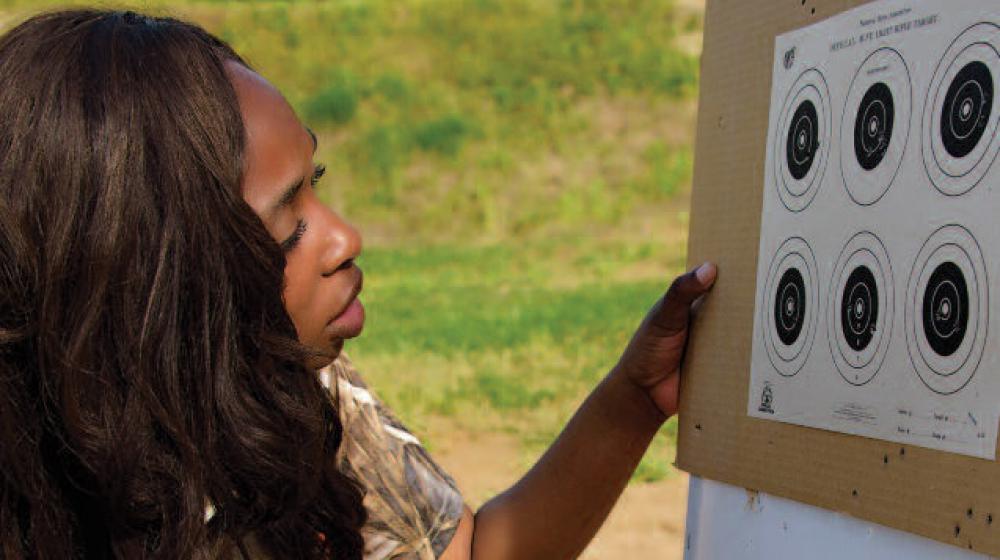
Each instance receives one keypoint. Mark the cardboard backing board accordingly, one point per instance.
(951, 498)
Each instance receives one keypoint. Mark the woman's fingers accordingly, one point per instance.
(674, 310)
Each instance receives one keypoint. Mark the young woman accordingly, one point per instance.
(174, 299)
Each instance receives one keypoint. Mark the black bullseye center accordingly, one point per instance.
(790, 306)
(946, 309)
(859, 308)
(803, 140)
(873, 126)
(966, 109)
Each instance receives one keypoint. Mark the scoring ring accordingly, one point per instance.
(963, 111)
(947, 309)
(802, 141)
(880, 92)
(790, 303)
(860, 308)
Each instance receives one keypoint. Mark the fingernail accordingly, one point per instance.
(705, 274)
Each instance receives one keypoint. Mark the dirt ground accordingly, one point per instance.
(647, 522)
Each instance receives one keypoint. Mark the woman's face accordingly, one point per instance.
(322, 280)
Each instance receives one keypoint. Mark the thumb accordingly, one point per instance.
(674, 310)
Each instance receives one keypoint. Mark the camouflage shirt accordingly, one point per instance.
(413, 506)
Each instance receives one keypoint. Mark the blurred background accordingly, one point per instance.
(520, 171)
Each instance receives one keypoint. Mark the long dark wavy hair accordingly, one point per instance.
(147, 364)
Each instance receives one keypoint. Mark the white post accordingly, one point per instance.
(725, 522)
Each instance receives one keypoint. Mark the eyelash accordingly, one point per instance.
(317, 174)
(290, 243)
(300, 226)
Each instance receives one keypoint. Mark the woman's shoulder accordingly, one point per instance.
(413, 505)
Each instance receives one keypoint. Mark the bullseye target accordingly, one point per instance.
(947, 309)
(790, 309)
(879, 197)
(875, 125)
(963, 109)
(802, 142)
(860, 308)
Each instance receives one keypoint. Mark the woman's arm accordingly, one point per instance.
(556, 508)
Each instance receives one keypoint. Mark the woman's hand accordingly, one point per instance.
(652, 359)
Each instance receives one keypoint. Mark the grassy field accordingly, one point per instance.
(519, 169)
(508, 336)
(444, 120)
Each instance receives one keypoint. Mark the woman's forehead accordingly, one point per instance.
(278, 147)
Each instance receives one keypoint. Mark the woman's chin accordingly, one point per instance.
(326, 355)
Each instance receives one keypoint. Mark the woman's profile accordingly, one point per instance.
(174, 301)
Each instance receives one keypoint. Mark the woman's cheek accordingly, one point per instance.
(296, 303)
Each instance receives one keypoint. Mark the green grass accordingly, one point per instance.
(481, 119)
(510, 336)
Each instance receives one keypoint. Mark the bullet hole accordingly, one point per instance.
(812, 11)
(854, 492)
(885, 459)
(958, 530)
(697, 426)
(902, 451)
(989, 518)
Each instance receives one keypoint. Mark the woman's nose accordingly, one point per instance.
(342, 243)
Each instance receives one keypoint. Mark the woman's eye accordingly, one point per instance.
(290, 243)
(317, 174)
(300, 227)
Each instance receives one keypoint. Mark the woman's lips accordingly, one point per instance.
(351, 320)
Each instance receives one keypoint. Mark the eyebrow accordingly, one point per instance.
(313, 136)
(288, 195)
